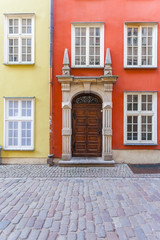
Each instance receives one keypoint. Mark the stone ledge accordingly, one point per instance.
(86, 162)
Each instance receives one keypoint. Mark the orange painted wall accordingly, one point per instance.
(114, 13)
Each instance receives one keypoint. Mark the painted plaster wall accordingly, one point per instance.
(114, 14)
(28, 81)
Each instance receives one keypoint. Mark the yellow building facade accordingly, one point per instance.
(24, 77)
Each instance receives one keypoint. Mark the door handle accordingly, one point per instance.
(99, 131)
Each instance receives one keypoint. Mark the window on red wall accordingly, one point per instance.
(140, 45)
(140, 118)
(88, 45)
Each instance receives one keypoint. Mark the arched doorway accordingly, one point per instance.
(87, 126)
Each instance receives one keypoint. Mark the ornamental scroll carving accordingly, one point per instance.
(86, 99)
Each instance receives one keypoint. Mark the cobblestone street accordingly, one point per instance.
(43, 171)
(77, 204)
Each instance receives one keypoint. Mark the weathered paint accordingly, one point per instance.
(114, 15)
(28, 81)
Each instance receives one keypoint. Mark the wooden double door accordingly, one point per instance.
(87, 126)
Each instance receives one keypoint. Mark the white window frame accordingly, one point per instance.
(19, 36)
(154, 45)
(140, 113)
(87, 25)
(19, 118)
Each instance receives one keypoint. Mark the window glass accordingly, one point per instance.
(19, 124)
(139, 114)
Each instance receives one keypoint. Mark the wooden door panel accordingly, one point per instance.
(87, 130)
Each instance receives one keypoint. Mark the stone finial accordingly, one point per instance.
(108, 63)
(66, 68)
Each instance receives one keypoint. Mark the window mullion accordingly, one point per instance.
(87, 46)
(139, 117)
(20, 39)
(139, 45)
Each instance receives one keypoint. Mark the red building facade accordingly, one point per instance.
(106, 80)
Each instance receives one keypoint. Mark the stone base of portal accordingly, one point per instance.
(86, 162)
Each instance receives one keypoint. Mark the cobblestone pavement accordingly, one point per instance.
(44, 171)
(80, 209)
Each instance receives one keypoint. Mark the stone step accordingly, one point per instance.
(86, 162)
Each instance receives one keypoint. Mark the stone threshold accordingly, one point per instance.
(86, 162)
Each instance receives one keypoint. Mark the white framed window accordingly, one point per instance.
(140, 118)
(19, 124)
(87, 45)
(140, 45)
(19, 39)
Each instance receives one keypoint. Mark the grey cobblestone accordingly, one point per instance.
(43, 171)
(79, 208)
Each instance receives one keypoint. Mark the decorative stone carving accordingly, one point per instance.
(86, 99)
(107, 105)
(87, 86)
(108, 63)
(108, 87)
(66, 105)
(66, 66)
(65, 87)
(107, 132)
(66, 132)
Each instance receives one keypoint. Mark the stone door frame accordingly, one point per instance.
(105, 93)
(101, 86)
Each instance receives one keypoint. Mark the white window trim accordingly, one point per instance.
(141, 113)
(6, 119)
(87, 25)
(6, 37)
(155, 40)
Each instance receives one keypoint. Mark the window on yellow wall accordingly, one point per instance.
(19, 39)
(19, 124)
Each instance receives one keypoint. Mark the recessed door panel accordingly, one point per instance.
(87, 127)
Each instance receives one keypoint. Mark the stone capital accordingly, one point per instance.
(107, 105)
(66, 105)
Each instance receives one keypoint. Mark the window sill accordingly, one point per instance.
(86, 67)
(18, 64)
(139, 67)
(140, 144)
(18, 149)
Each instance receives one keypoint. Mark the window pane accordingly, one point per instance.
(83, 31)
(132, 102)
(26, 51)
(91, 31)
(129, 31)
(135, 51)
(13, 26)
(97, 31)
(97, 60)
(26, 108)
(146, 128)
(129, 61)
(129, 50)
(26, 134)
(144, 31)
(77, 32)
(150, 31)
(135, 41)
(77, 50)
(91, 60)
(91, 50)
(132, 128)
(12, 133)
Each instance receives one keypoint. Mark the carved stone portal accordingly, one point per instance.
(74, 85)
